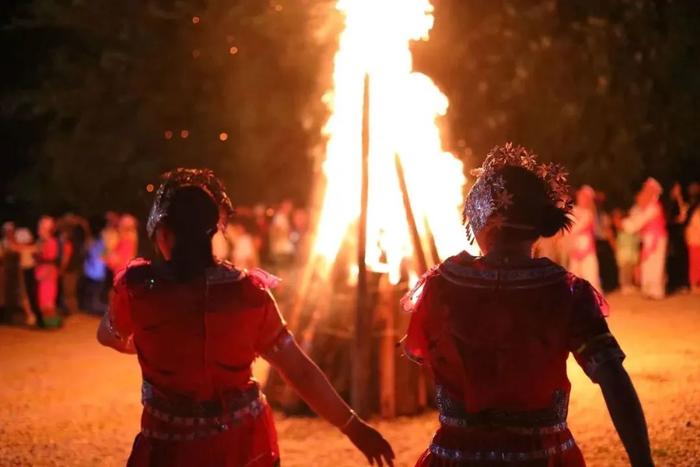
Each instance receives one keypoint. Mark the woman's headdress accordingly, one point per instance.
(489, 200)
(180, 178)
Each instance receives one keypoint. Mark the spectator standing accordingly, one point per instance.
(583, 261)
(692, 237)
(26, 248)
(605, 245)
(72, 262)
(626, 253)
(647, 219)
(677, 258)
(46, 272)
(244, 254)
(110, 239)
(9, 272)
(300, 226)
(127, 244)
(281, 246)
(95, 287)
(261, 232)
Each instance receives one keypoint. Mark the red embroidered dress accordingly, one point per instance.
(195, 343)
(496, 342)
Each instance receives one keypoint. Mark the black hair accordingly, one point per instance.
(532, 206)
(193, 216)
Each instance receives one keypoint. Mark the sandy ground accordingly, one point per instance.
(65, 401)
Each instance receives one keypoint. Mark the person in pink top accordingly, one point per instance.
(583, 260)
(692, 237)
(46, 272)
(647, 218)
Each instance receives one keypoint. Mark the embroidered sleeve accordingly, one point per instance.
(119, 312)
(590, 339)
(415, 342)
(274, 335)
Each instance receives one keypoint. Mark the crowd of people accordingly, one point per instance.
(67, 264)
(66, 267)
(653, 247)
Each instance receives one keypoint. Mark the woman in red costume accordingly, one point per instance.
(495, 331)
(196, 326)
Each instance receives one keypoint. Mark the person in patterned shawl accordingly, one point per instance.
(495, 331)
(197, 325)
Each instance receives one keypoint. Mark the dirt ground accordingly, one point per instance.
(65, 401)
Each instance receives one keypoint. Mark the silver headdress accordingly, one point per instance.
(179, 178)
(489, 200)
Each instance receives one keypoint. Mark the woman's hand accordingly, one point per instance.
(370, 442)
(312, 385)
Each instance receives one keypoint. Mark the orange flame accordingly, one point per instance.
(403, 110)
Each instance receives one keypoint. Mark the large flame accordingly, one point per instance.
(403, 110)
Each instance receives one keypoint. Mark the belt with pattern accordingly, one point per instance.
(458, 455)
(457, 422)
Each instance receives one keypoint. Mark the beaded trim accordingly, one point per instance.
(457, 422)
(285, 339)
(593, 362)
(503, 456)
(516, 278)
(202, 426)
(223, 273)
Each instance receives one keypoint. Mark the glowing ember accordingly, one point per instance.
(403, 108)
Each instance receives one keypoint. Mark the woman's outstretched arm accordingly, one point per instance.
(312, 385)
(625, 411)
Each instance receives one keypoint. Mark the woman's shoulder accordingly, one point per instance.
(252, 286)
(137, 271)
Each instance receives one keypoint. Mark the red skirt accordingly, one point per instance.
(497, 448)
(252, 442)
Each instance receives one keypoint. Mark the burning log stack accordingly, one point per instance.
(389, 210)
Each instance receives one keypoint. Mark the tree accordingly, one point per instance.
(132, 89)
(608, 88)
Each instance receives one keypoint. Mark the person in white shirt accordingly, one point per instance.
(647, 218)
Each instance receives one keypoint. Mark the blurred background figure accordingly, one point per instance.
(583, 260)
(677, 258)
(605, 244)
(46, 271)
(260, 229)
(300, 227)
(94, 284)
(26, 248)
(10, 284)
(244, 254)
(110, 239)
(647, 219)
(281, 245)
(692, 236)
(72, 239)
(626, 253)
(127, 245)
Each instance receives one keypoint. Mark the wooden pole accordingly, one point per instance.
(431, 241)
(361, 365)
(421, 263)
(386, 305)
(419, 254)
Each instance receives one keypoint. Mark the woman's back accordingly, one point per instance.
(496, 340)
(196, 338)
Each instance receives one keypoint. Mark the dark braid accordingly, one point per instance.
(192, 216)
